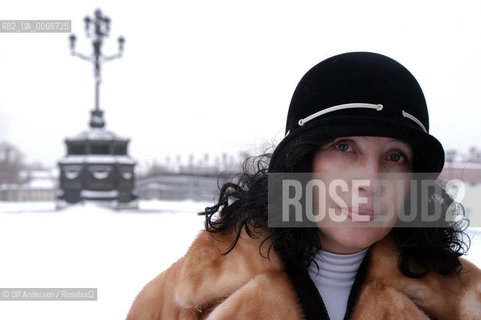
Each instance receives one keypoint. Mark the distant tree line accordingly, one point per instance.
(473, 155)
(11, 163)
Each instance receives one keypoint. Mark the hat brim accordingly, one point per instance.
(428, 151)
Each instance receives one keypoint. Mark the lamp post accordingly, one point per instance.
(97, 28)
(97, 166)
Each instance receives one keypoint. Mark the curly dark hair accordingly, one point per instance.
(243, 206)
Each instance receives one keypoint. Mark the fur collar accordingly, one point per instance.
(388, 294)
(243, 284)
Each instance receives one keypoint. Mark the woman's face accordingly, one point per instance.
(378, 164)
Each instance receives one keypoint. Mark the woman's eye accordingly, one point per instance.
(396, 157)
(344, 147)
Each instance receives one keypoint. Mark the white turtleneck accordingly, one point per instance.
(335, 278)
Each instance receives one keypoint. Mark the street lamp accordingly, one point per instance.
(98, 29)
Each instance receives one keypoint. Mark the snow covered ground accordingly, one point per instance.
(87, 246)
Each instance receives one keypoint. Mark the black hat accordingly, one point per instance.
(360, 94)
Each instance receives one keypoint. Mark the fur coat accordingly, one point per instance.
(243, 284)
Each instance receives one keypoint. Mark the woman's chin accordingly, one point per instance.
(350, 240)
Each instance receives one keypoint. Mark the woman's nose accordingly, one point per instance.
(369, 172)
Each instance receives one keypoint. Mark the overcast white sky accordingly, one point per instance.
(217, 76)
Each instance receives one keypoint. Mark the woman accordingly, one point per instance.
(358, 117)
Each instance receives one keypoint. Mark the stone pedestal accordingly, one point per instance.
(97, 167)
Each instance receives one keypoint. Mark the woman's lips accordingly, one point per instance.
(359, 214)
